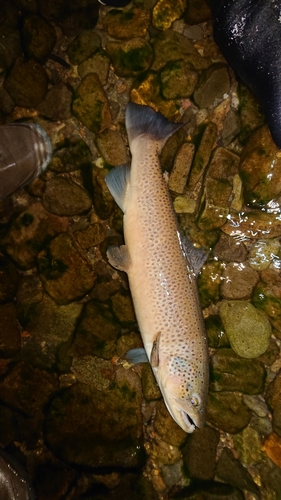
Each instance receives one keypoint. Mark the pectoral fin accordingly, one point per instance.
(154, 356)
(119, 257)
(136, 356)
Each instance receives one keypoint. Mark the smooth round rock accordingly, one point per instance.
(248, 330)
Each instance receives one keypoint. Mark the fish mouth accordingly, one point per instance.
(189, 423)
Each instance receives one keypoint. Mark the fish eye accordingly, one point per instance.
(194, 401)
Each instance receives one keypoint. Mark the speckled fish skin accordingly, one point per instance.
(25, 151)
(164, 290)
(248, 33)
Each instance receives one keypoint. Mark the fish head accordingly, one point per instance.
(184, 386)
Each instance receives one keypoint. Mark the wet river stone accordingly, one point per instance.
(131, 57)
(239, 281)
(72, 155)
(229, 372)
(10, 340)
(260, 168)
(9, 278)
(215, 332)
(98, 63)
(28, 233)
(65, 272)
(262, 254)
(49, 325)
(10, 47)
(227, 412)
(126, 24)
(97, 332)
(202, 155)
(56, 104)
(199, 453)
(248, 330)
(177, 80)
(85, 426)
(165, 13)
(266, 297)
(112, 147)
(228, 249)
(27, 83)
(212, 86)
(231, 471)
(103, 201)
(83, 46)
(38, 36)
(90, 104)
(64, 197)
(273, 399)
(30, 397)
(218, 189)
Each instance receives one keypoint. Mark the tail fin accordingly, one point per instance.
(143, 120)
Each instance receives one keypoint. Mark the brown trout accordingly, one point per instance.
(161, 271)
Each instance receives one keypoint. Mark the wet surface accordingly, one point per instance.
(83, 423)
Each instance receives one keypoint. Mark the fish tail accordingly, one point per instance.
(145, 121)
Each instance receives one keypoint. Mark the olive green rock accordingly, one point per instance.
(65, 272)
(103, 201)
(90, 104)
(230, 470)
(177, 80)
(227, 412)
(229, 372)
(209, 289)
(131, 57)
(83, 46)
(247, 329)
(98, 63)
(127, 23)
(215, 332)
(165, 13)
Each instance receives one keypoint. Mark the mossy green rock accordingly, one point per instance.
(177, 80)
(128, 23)
(83, 46)
(65, 272)
(131, 57)
(98, 63)
(26, 83)
(248, 446)
(90, 104)
(165, 13)
(172, 46)
(247, 329)
(266, 298)
(65, 197)
(209, 283)
(260, 168)
(202, 155)
(215, 332)
(38, 36)
(85, 426)
(227, 412)
(97, 332)
(229, 372)
(250, 113)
